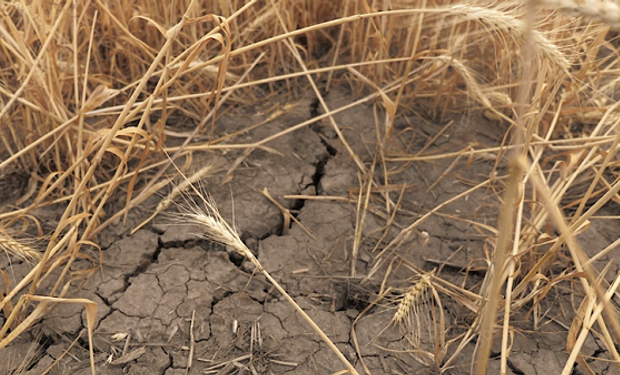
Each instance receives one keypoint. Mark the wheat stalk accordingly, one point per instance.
(218, 230)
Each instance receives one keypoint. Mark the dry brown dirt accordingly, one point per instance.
(167, 284)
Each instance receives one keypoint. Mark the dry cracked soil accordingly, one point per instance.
(166, 294)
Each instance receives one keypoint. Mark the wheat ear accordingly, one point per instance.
(217, 229)
(18, 249)
(605, 11)
(505, 21)
(411, 299)
(178, 190)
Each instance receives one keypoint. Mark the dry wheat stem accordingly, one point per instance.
(218, 230)
(511, 276)
(34, 69)
(363, 199)
(512, 195)
(587, 278)
(595, 314)
(287, 214)
(292, 47)
(406, 232)
(495, 279)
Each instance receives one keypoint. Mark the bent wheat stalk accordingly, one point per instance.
(218, 230)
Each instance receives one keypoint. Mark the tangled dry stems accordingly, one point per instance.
(87, 92)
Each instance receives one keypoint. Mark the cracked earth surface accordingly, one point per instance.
(166, 291)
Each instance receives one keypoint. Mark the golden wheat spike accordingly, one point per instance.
(503, 20)
(605, 11)
(412, 298)
(17, 248)
(179, 189)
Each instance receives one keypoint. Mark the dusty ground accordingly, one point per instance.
(158, 283)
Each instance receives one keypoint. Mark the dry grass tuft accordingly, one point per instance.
(91, 94)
